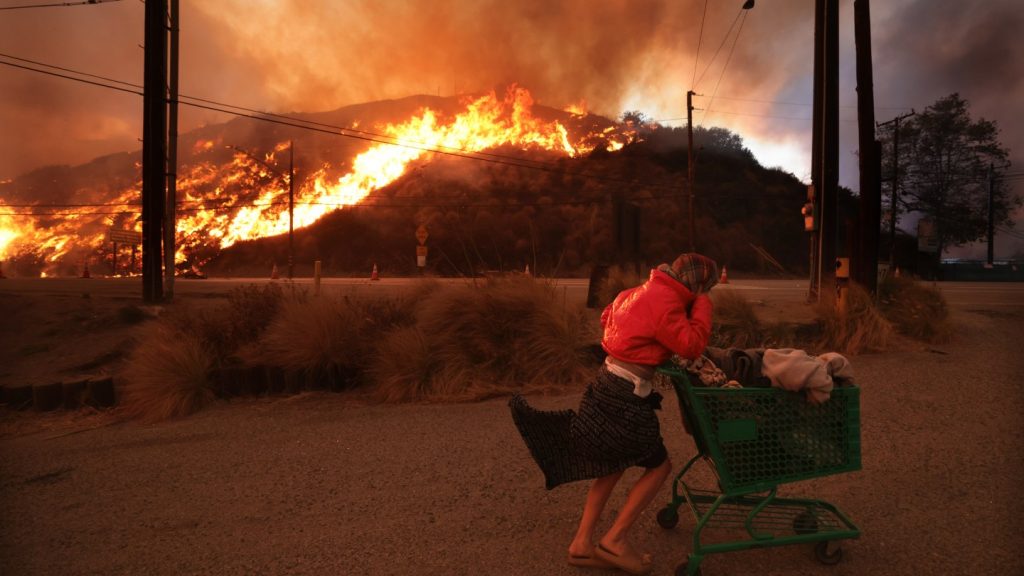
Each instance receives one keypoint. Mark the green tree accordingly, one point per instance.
(947, 163)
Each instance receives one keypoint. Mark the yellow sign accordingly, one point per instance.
(421, 234)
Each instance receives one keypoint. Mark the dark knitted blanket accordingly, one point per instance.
(744, 365)
(613, 430)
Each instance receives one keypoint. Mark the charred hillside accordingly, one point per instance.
(500, 182)
(557, 215)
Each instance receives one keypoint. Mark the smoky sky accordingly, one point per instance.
(614, 55)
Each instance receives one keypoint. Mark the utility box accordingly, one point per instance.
(842, 267)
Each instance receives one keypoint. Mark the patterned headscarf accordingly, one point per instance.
(696, 272)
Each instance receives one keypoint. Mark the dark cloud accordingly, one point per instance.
(314, 55)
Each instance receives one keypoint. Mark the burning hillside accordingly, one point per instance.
(232, 188)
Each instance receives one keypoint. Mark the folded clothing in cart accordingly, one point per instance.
(798, 371)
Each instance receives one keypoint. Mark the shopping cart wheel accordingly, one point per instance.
(805, 523)
(681, 570)
(668, 518)
(825, 556)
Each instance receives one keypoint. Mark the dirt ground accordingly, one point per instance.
(324, 483)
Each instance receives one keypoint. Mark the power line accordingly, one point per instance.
(805, 104)
(352, 133)
(57, 5)
(731, 26)
(70, 77)
(700, 39)
(726, 65)
(369, 203)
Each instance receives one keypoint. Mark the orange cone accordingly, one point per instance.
(374, 275)
(724, 278)
(273, 272)
(527, 272)
(85, 270)
(896, 274)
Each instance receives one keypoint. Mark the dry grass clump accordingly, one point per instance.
(166, 375)
(916, 311)
(735, 323)
(473, 342)
(857, 327)
(617, 280)
(433, 343)
(328, 338)
(227, 328)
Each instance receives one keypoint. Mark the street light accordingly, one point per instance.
(291, 196)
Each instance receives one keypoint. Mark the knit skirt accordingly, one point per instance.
(614, 429)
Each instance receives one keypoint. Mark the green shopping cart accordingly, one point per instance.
(753, 440)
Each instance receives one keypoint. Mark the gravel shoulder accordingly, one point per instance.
(324, 483)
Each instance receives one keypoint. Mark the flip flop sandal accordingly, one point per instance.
(630, 563)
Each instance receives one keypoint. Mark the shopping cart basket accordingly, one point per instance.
(753, 440)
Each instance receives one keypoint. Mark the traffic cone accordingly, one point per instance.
(724, 278)
(374, 275)
(273, 272)
(896, 274)
(85, 270)
(527, 272)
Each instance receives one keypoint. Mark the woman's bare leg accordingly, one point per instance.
(639, 497)
(597, 497)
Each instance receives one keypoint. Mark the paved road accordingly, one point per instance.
(325, 484)
(997, 295)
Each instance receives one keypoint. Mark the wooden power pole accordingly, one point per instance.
(825, 142)
(865, 268)
(154, 148)
(689, 166)
(170, 213)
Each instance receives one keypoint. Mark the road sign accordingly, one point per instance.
(124, 236)
(421, 234)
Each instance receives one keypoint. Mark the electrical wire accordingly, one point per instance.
(700, 39)
(743, 15)
(57, 5)
(350, 133)
(727, 34)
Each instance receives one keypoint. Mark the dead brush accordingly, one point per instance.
(915, 310)
(166, 375)
(856, 327)
(735, 323)
(322, 338)
(617, 280)
(470, 343)
(226, 328)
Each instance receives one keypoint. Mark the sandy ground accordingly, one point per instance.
(325, 484)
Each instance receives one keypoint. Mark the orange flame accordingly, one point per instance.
(222, 204)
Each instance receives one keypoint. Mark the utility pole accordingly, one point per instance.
(154, 148)
(170, 215)
(689, 164)
(991, 213)
(895, 183)
(291, 208)
(825, 140)
(865, 271)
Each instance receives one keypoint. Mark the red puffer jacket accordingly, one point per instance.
(647, 324)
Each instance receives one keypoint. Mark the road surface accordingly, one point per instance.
(326, 484)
